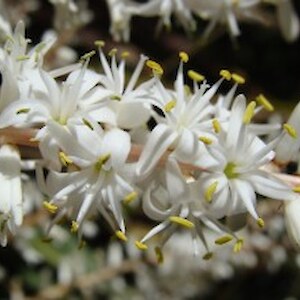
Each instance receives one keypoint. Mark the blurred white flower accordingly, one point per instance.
(292, 221)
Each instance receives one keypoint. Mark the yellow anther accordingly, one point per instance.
(249, 112)
(125, 54)
(238, 78)
(183, 56)
(130, 197)
(101, 161)
(296, 189)
(225, 74)
(141, 246)
(87, 123)
(65, 159)
(99, 43)
(206, 140)
(74, 227)
(207, 256)
(115, 97)
(260, 222)
(159, 255)
(182, 221)
(22, 57)
(238, 245)
(216, 125)
(290, 130)
(195, 76)
(209, 192)
(113, 52)
(51, 208)
(88, 55)
(223, 239)
(170, 105)
(156, 67)
(262, 100)
(22, 111)
(121, 235)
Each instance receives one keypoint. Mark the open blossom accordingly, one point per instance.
(230, 185)
(11, 207)
(96, 175)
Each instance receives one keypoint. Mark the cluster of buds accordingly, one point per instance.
(191, 155)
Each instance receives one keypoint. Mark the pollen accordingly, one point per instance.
(183, 56)
(159, 255)
(182, 221)
(121, 235)
(74, 227)
(51, 208)
(99, 43)
(156, 67)
(291, 131)
(170, 105)
(263, 101)
(296, 189)
(22, 111)
(216, 125)
(130, 197)
(113, 52)
(195, 76)
(141, 246)
(209, 192)
(125, 54)
(260, 222)
(223, 239)
(88, 55)
(101, 161)
(207, 256)
(238, 245)
(238, 78)
(249, 112)
(206, 140)
(229, 170)
(65, 159)
(225, 74)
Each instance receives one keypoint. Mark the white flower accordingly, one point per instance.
(231, 184)
(11, 207)
(187, 116)
(124, 99)
(97, 181)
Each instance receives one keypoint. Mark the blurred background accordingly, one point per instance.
(35, 267)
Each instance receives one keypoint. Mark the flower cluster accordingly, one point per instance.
(216, 12)
(192, 156)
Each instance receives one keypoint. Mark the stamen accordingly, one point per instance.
(156, 67)
(159, 255)
(121, 235)
(238, 78)
(87, 123)
(249, 112)
(207, 256)
(141, 246)
(101, 161)
(262, 100)
(22, 111)
(290, 130)
(296, 189)
(125, 54)
(223, 239)
(260, 222)
(206, 140)
(51, 208)
(74, 227)
(181, 221)
(99, 43)
(195, 76)
(184, 56)
(88, 55)
(112, 52)
(130, 197)
(65, 159)
(225, 74)
(170, 105)
(238, 245)
(216, 125)
(209, 192)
